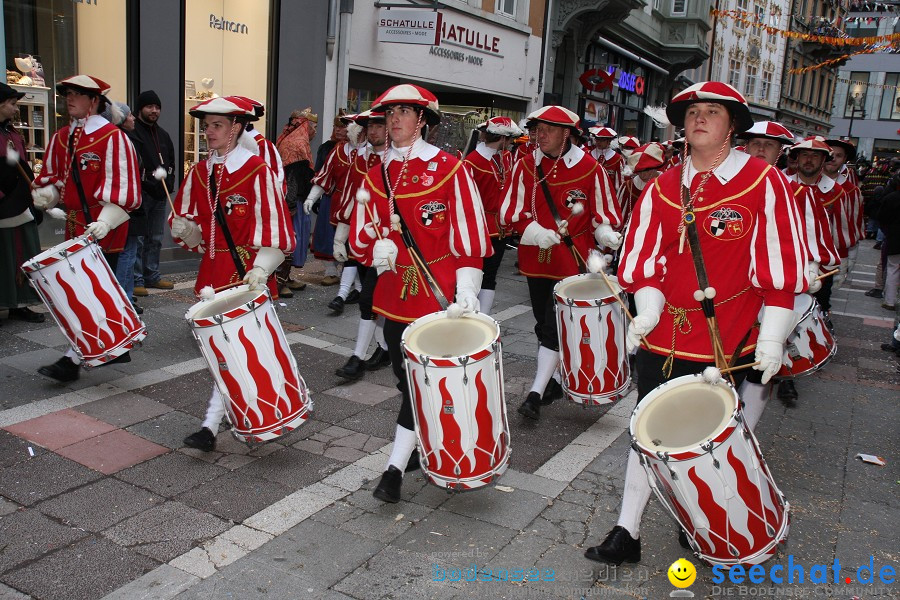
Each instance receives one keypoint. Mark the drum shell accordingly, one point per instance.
(251, 362)
(593, 357)
(458, 405)
(719, 490)
(82, 293)
(811, 345)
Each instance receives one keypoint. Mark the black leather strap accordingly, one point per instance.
(75, 169)
(223, 225)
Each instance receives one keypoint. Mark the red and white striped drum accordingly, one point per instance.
(811, 345)
(250, 360)
(82, 293)
(591, 327)
(454, 368)
(706, 468)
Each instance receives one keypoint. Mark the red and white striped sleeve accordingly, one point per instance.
(185, 205)
(359, 241)
(605, 206)
(642, 262)
(841, 225)
(121, 180)
(514, 212)
(327, 175)
(344, 211)
(273, 228)
(778, 255)
(272, 158)
(469, 235)
(54, 168)
(816, 228)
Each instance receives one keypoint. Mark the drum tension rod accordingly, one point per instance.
(708, 447)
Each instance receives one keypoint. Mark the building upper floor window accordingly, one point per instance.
(507, 7)
(679, 8)
(890, 99)
(734, 73)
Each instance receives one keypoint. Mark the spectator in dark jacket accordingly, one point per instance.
(889, 220)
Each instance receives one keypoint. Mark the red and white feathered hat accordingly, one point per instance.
(847, 145)
(414, 95)
(85, 84)
(556, 115)
(501, 126)
(771, 130)
(813, 142)
(598, 131)
(711, 91)
(629, 142)
(228, 106)
(258, 107)
(368, 116)
(648, 156)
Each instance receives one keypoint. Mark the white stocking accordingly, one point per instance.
(347, 277)
(379, 332)
(635, 496)
(486, 299)
(363, 336)
(215, 410)
(755, 396)
(547, 361)
(404, 444)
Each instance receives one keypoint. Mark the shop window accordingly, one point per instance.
(226, 52)
(750, 82)
(890, 99)
(507, 7)
(856, 93)
(679, 8)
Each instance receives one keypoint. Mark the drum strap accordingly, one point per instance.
(223, 224)
(567, 239)
(76, 177)
(417, 257)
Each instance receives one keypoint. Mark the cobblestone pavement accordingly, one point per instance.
(99, 497)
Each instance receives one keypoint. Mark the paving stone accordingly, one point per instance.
(235, 496)
(118, 500)
(167, 430)
(344, 454)
(42, 477)
(287, 512)
(170, 474)
(162, 583)
(7, 507)
(165, 531)
(14, 449)
(363, 392)
(445, 532)
(291, 467)
(307, 551)
(125, 409)
(334, 410)
(73, 573)
(60, 429)
(246, 537)
(112, 452)
(396, 573)
(27, 534)
(373, 421)
(7, 593)
(514, 510)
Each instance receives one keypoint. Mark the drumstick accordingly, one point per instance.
(362, 196)
(622, 304)
(828, 274)
(160, 174)
(739, 367)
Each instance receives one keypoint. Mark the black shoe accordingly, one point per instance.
(354, 369)
(380, 358)
(337, 305)
(201, 440)
(552, 392)
(62, 370)
(26, 314)
(413, 463)
(877, 246)
(875, 293)
(119, 360)
(683, 540)
(138, 309)
(352, 297)
(531, 408)
(388, 489)
(890, 348)
(787, 393)
(618, 547)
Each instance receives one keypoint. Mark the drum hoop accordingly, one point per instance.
(58, 253)
(489, 350)
(230, 315)
(602, 301)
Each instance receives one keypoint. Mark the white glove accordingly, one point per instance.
(187, 231)
(649, 302)
(468, 284)
(314, 194)
(110, 217)
(266, 261)
(775, 326)
(605, 236)
(536, 235)
(341, 233)
(841, 275)
(45, 197)
(812, 271)
(384, 255)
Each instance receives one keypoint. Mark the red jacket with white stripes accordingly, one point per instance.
(364, 161)
(576, 177)
(614, 165)
(254, 209)
(441, 207)
(832, 198)
(853, 207)
(333, 174)
(751, 237)
(108, 168)
(271, 157)
(490, 169)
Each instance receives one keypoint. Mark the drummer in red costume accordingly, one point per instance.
(490, 165)
(748, 228)
(573, 178)
(427, 193)
(646, 163)
(233, 187)
(90, 167)
(609, 159)
(852, 228)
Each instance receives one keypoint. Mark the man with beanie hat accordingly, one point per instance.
(156, 149)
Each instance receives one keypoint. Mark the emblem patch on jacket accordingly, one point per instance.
(237, 205)
(729, 223)
(433, 211)
(89, 160)
(573, 196)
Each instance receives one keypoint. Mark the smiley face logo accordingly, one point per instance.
(682, 573)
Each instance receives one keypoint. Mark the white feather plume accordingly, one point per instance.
(577, 208)
(207, 293)
(354, 131)
(12, 157)
(658, 114)
(363, 195)
(159, 173)
(454, 311)
(595, 262)
(712, 375)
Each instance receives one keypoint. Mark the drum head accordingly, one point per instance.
(586, 287)
(224, 302)
(684, 415)
(448, 338)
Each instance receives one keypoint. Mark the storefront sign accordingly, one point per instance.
(630, 82)
(478, 61)
(409, 26)
(596, 80)
(226, 25)
(470, 37)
